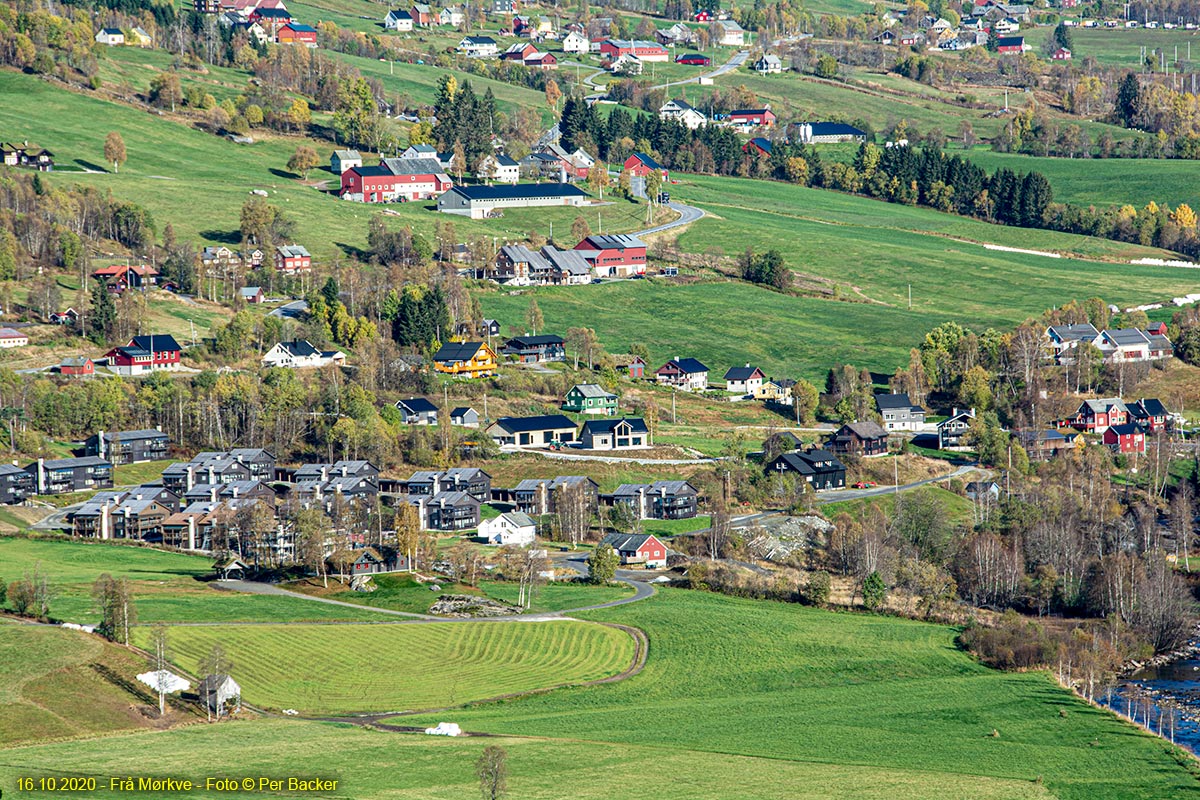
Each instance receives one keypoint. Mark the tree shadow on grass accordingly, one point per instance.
(89, 165)
(283, 173)
(224, 237)
(353, 251)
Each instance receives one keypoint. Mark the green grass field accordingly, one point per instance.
(1107, 182)
(359, 668)
(886, 695)
(1123, 47)
(52, 685)
(198, 181)
(372, 764)
(871, 252)
(167, 586)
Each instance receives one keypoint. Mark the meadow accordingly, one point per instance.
(437, 768)
(167, 587)
(53, 685)
(1122, 47)
(886, 695)
(1106, 182)
(347, 669)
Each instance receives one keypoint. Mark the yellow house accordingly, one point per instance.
(473, 359)
(779, 391)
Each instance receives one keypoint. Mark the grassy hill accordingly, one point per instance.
(871, 252)
(739, 699)
(56, 683)
(360, 668)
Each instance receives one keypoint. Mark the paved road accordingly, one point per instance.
(858, 494)
(293, 310)
(565, 456)
(736, 61)
(687, 215)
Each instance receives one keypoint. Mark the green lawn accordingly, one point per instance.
(675, 527)
(795, 684)
(167, 586)
(558, 595)
(357, 668)
(958, 509)
(136, 474)
(198, 181)
(1107, 182)
(370, 764)
(1123, 47)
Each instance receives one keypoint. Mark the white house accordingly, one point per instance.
(681, 111)
(398, 20)
(499, 168)
(10, 337)
(342, 160)
(768, 65)
(110, 36)
(300, 354)
(478, 46)
(575, 42)
(732, 34)
(452, 16)
(743, 381)
(512, 528)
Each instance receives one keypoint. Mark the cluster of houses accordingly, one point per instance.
(23, 154)
(1115, 345)
(262, 20)
(595, 256)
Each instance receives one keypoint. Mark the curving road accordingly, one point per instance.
(687, 215)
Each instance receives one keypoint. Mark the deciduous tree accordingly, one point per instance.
(114, 150)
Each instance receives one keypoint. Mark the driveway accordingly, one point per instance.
(736, 61)
(293, 310)
(859, 494)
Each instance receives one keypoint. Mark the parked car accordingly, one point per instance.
(693, 60)
(863, 485)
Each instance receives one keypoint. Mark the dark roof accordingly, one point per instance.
(898, 400)
(299, 347)
(130, 436)
(1125, 430)
(457, 351)
(462, 411)
(417, 405)
(627, 541)
(647, 160)
(741, 373)
(275, 13)
(806, 463)
(520, 190)
(481, 40)
(11, 469)
(539, 423)
(866, 429)
(156, 343)
(750, 112)
(372, 172)
(534, 341)
(614, 241)
(1010, 41)
(70, 463)
(113, 31)
(1152, 407)
(595, 426)
(688, 365)
(834, 129)
(300, 28)
(761, 144)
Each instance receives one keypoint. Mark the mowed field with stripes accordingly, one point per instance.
(351, 668)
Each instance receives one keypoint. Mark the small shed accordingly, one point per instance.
(232, 569)
(221, 694)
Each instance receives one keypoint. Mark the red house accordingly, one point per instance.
(295, 33)
(122, 276)
(145, 354)
(545, 61)
(640, 165)
(638, 549)
(617, 256)
(702, 16)
(292, 258)
(396, 179)
(1061, 54)
(77, 365)
(1011, 44)
(1126, 438)
(1097, 416)
(747, 118)
(612, 49)
(519, 52)
(1157, 329)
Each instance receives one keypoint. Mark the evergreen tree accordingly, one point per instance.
(330, 291)
(1129, 100)
(1036, 195)
(993, 41)
(1061, 36)
(104, 314)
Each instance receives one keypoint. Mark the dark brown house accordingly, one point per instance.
(858, 438)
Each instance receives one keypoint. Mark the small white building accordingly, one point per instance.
(514, 528)
(478, 47)
(342, 160)
(300, 354)
(452, 16)
(398, 20)
(575, 42)
(744, 381)
(768, 65)
(732, 34)
(110, 37)
(680, 111)
(499, 168)
(10, 337)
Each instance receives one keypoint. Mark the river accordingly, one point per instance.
(1165, 699)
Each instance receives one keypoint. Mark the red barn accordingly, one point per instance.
(618, 256)
(747, 118)
(640, 165)
(612, 49)
(1126, 438)
(702, 16)
(638, 549)
(295, 33)
(77, 365)
(1011, 44)
(145, 354)
(543, 61)
(396, 179)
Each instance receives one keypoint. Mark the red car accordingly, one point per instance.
(863, 485)
(694, 60)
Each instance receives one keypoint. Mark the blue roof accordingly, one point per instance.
(541, 423)
(156, 343)
(761, 144)
(835, 129)
(417, 405)
(688, 365)
(647, 160)
(296, 26)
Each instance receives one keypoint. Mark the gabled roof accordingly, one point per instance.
(742, 373)
(457, 351)
(298, 27)
(416, 405)
(1152, 407)
(156, 343)
(71, 463)
(293, 250)
(833, 129)
(1010, 41)
(762, 144)
(689, 366)
(112, 32)
(399, 13)
(519, 519)
(479, 40)
(1073, 333)
(299, 348)
(591, 390)
(539, 423)
(1126, 337)
(866, 429)
(647, 160)
(273, 13)
(897, 400)
(616, 241)
(597, 426)
(412, 166)
(1103, 404)
(569, 261)
(1125, 429)
(462, 411)
(627, 542)
(131, 436)
(347, 155)
(534, 341)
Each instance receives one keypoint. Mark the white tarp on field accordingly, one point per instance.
(445, 729)
(169, 681)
